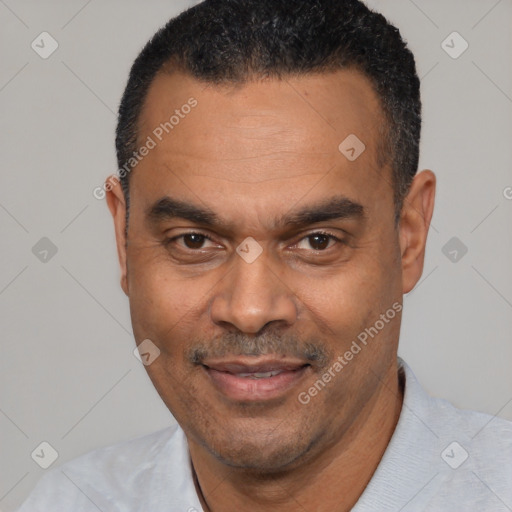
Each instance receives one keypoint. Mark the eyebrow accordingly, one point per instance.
(334, 208)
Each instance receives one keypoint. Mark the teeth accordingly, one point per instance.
(260, 375)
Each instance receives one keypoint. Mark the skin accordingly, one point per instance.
(252, 154)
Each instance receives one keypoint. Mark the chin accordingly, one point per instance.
(261, 453)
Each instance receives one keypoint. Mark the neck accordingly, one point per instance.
(332, 481)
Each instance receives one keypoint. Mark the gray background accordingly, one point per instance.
(68, 374)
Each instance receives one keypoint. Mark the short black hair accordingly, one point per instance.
(235, 41)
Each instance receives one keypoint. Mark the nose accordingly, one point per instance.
(251, 296)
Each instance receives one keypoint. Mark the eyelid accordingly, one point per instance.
(334, 240)
(170, 239)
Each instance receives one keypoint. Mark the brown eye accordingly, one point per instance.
(194, 240)
(319, 242)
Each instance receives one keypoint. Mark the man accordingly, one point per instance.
(269, 219)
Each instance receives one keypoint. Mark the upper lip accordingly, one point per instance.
(258, 366)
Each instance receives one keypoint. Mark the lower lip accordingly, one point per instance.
(255, 390)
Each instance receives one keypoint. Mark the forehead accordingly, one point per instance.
(310, 106)
(258, 138)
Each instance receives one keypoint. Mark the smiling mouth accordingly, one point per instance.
(259, 375)
(244, 380)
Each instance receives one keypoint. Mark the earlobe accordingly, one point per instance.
(117, 206)
(415, 220)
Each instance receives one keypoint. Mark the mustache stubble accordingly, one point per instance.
(240, 344)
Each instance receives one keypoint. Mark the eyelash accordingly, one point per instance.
(337, 240)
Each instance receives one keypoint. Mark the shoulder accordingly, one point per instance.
(114, 478)
(473, 451)
(479, 454)
(487, 439)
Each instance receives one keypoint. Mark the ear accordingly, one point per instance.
(414, 225)
(117, 206)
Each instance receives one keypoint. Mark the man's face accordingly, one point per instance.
(262, 161)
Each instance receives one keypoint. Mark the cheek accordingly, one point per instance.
(166, 305)
(158, 301)
(345, 300)
(347, 309)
